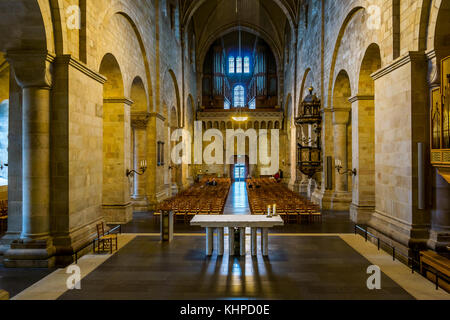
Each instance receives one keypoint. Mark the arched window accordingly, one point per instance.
(239, 100)
(246, 65)
(231, 64)
(239, 65)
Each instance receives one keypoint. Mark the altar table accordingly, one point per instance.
(220, 222)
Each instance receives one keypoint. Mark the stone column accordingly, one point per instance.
(363, 154)
(117, 205)
(341, 198)
(440, 214)
(33, 72)
(15, 165)
(322, 195)
(139, 125)
(156, 189)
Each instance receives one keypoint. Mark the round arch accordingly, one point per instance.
(190, 107)
(371, 62)
(170, 81)
(306, 75)
(341, 33)
(122, 8)
(25, 16)
(342, 90)
(138, 96)
(113, 87)
(250, 28)
(283, 4)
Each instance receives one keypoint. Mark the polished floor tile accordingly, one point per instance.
(298, 268)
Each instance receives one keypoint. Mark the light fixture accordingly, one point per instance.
(338, 165)
(142, 169)
(240, 118)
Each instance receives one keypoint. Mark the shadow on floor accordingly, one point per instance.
(307, 267)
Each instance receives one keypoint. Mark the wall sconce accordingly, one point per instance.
(338, 165)
(142, 169)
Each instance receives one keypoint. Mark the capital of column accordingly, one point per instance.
(140, 120)
(341, 115)
(122, 100)
(360, 98)
(157, 115)
(32, 68)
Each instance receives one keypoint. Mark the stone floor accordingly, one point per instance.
(309, 267)
(311, 261)
(16, 280)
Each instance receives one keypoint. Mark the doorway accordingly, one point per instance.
(239, 172)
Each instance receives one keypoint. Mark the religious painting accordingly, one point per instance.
(445, 83)
(436, 118)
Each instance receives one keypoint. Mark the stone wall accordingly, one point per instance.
(389, 107)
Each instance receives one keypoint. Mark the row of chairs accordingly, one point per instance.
(293, 208)
(202, 198)
(3, 216)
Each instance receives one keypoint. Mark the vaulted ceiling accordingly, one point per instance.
(215, 18)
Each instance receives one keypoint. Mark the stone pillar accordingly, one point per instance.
(33, 72)
(363, 154)
(440, 214)
(322, 195)
(341, 198)
(117, 206)
(157, 191)
(15, 165)
(139, 125)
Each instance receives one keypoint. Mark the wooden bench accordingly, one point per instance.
(431, 263)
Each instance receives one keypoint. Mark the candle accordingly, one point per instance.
(268, 210)
(275, 209)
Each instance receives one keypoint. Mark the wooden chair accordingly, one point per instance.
(156, 216)
(305, 216)
(316, 215)
(4, 208)
(107, 241)
(180, 215)
(292, 215)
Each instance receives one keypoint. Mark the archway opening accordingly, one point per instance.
(363, 118)
(342, 140)
(139, 120)
(116, 144)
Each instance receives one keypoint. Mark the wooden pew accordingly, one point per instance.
(430, 260)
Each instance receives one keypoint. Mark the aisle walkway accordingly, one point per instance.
(237, 202)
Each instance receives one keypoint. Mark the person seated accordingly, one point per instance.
(214, 182)
(277, 176)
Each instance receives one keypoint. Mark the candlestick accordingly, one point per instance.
(275, 209)
(268, 210)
